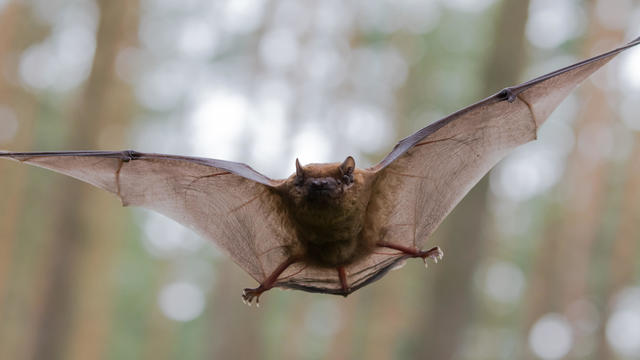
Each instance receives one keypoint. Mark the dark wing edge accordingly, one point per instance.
(240, 169)
(359, 274)
(507, 94)
(371, 278)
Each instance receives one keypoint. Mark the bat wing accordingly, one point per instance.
(429, 172)
(226, 202)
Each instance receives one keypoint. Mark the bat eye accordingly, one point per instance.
(347, 179)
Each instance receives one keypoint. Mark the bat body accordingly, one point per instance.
(328, 205)
(330, 228)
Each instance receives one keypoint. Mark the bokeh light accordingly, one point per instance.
(527, 172)
(504, 282)
(312, 145)
(217, 122)
(469, 5)
(552, 22)
(279, 49)
(629, 113)
(366, 128)
(197, 39)
(61, 62)
(250, 11)
(629, 73)
(181, 301)
(166, 238)
(623, 325)
(551, 337)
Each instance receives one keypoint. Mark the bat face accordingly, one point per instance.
(322, 185)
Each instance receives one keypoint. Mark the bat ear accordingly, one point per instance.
(347, 166)
(299, 170)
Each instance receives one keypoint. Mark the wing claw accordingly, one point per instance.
(507, 94)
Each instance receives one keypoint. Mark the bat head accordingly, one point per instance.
(323, 183)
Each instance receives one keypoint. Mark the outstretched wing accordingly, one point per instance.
(429, 172)
(226, 202)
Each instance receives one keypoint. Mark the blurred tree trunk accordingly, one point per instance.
(623, 261)
(573, 250)
(74, 321)
(231, 319)
(444, 324)
(18, 295)
(8, 200)
(241, 323)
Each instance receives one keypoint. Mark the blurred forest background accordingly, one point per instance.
(541, 257)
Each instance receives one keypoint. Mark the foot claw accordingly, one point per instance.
(249, 294)
(435, 254)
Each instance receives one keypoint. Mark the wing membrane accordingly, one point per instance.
(214, 198)
(438, 165)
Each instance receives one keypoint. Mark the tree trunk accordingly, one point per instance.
(451, 312)
(85, 237)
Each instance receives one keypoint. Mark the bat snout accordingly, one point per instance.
(322, 186)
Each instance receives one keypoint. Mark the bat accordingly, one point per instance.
(330, 228)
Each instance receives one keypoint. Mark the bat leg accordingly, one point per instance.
(249, 294)
(343, 281)
(434, 253)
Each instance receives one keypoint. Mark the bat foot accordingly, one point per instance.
(249, 294)
(435, 253)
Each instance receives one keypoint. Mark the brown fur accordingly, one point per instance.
(329, 227)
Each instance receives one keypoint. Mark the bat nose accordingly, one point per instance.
(320, 183)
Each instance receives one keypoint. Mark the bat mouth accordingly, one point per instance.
(322, 188)
(322, 193)
(320, 198)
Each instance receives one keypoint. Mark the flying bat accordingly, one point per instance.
(330, 228)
